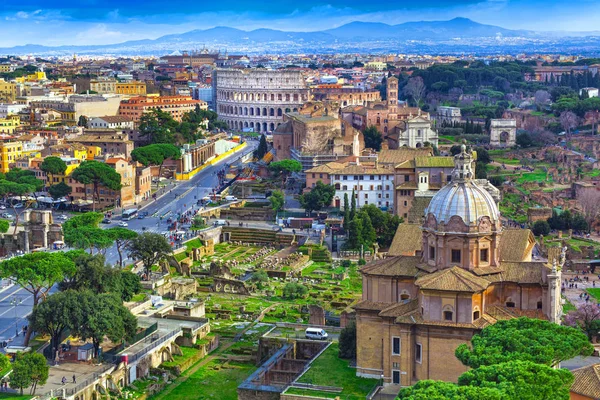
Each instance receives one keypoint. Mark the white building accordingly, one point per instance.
(371, 185)
(418, 131)
(110, 122)
(8, 109)
(448, 114)
(591, 91)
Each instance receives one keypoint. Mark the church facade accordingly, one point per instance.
(469, 273)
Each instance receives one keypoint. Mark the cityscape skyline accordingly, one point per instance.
(109, 22)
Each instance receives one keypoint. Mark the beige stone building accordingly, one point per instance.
(256, 99)
(468, 273)
(8, 91)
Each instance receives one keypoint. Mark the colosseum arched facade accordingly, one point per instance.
(257, 98)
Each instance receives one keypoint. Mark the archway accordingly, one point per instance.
(419, 145)
(279, 112)
(504, 136)
(272, 127)
(264, 126)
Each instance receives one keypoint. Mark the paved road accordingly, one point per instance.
(178, 200)
(199, 186)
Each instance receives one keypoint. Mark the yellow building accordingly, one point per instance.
(36, 76)
(6, 68)
(9, 124)
(8, 91)
(134, 88)
(9, 153)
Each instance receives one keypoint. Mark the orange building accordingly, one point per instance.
(177, 106)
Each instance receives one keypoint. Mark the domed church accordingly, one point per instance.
(469, 273)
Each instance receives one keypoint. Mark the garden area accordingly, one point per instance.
(330, 370)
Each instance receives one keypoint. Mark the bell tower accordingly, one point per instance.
(392, 97)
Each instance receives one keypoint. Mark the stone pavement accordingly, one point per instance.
(82, 371)
(572, 294)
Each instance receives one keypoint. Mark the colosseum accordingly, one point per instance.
(256, 99)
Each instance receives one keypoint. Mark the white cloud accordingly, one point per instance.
(22, 14)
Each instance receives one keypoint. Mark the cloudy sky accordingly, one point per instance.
(61, 22)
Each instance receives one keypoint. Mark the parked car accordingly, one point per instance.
(315, 334)
(123, 224)
(2, 207)
(19, 205)
(106, 221)
(7, 215)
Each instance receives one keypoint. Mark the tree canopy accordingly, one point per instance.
(262, 148)
(121, 237)
(53, 165)
(439, 390)
(82, 232)
(29, 369)
(318, 198)
(150, 248)
(277, 200)
(59, 190)
(285, 166)
(97, 173)
(524, 339)
(373, 138)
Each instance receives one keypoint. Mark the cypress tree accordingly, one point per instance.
(353, 206)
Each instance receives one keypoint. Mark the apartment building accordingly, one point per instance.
(177, 106)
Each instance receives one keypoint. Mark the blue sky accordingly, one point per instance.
(79, 22)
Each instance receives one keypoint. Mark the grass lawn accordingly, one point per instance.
(14, 396)
(536, 176)
(188, 352)
(568, 306)
(193, 244)
(330, 370)
(216, 380)
(595, 293)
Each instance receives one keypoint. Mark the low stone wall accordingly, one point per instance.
(285, 396)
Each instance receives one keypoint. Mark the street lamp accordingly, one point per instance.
(15, 302)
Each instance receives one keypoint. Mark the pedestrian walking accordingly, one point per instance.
(64, 380)
(74, 381)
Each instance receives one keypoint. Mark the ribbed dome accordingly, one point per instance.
(464, 199)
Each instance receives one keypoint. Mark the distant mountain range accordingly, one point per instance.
(355, 36)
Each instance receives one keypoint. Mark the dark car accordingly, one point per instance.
(106, 221)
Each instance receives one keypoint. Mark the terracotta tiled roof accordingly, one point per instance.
(515, 244)
(410, 185)
(371, 305)
(415, 317)
(328, 168)
(453, 279)
(398, 309)
(434, 162)
(504, 313)
(365, 170)
(115, 119)
(407, 240)
(417, 211)
(393, 266)
(519, 272)
(587, 381)
(397, 156)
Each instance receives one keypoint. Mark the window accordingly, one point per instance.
(475, 315)
(539, 305)
(510, 304)
(406, 178)
(396, 377)
(455, 256)
(483, 255)
(313, 175)
(431, 252)
(366, 195)
(396, 346)
(418, 352)
(448, 315)
(395, 365)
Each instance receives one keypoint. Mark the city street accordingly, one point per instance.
(167, 205)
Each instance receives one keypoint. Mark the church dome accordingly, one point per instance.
(462, 197)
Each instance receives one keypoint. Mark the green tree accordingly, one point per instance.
(318, 198)
(4, 226)
(158, 126)
(20, 186)
(277, 200)
(438, 390)
(373, 138)
(150, 248)
(294, 290)
(262, 148)
(521, 380)
(352, 205)
(259, 278)
(348, 342)
(355, 229)
(59, 190)
(524, 140)
(82, 232)
(4, 364)
(97, 173)
(346, 212)
(524, 339)
(53, 165)
(369, 236)
(83, 121)
(30, 369)
(53, 316)
(285, 168)
(103, 315)
(541, 228)
(156, 154)
(121, 237)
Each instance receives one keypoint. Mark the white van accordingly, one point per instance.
(315, 334)
(230, 198)
(220, 222)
